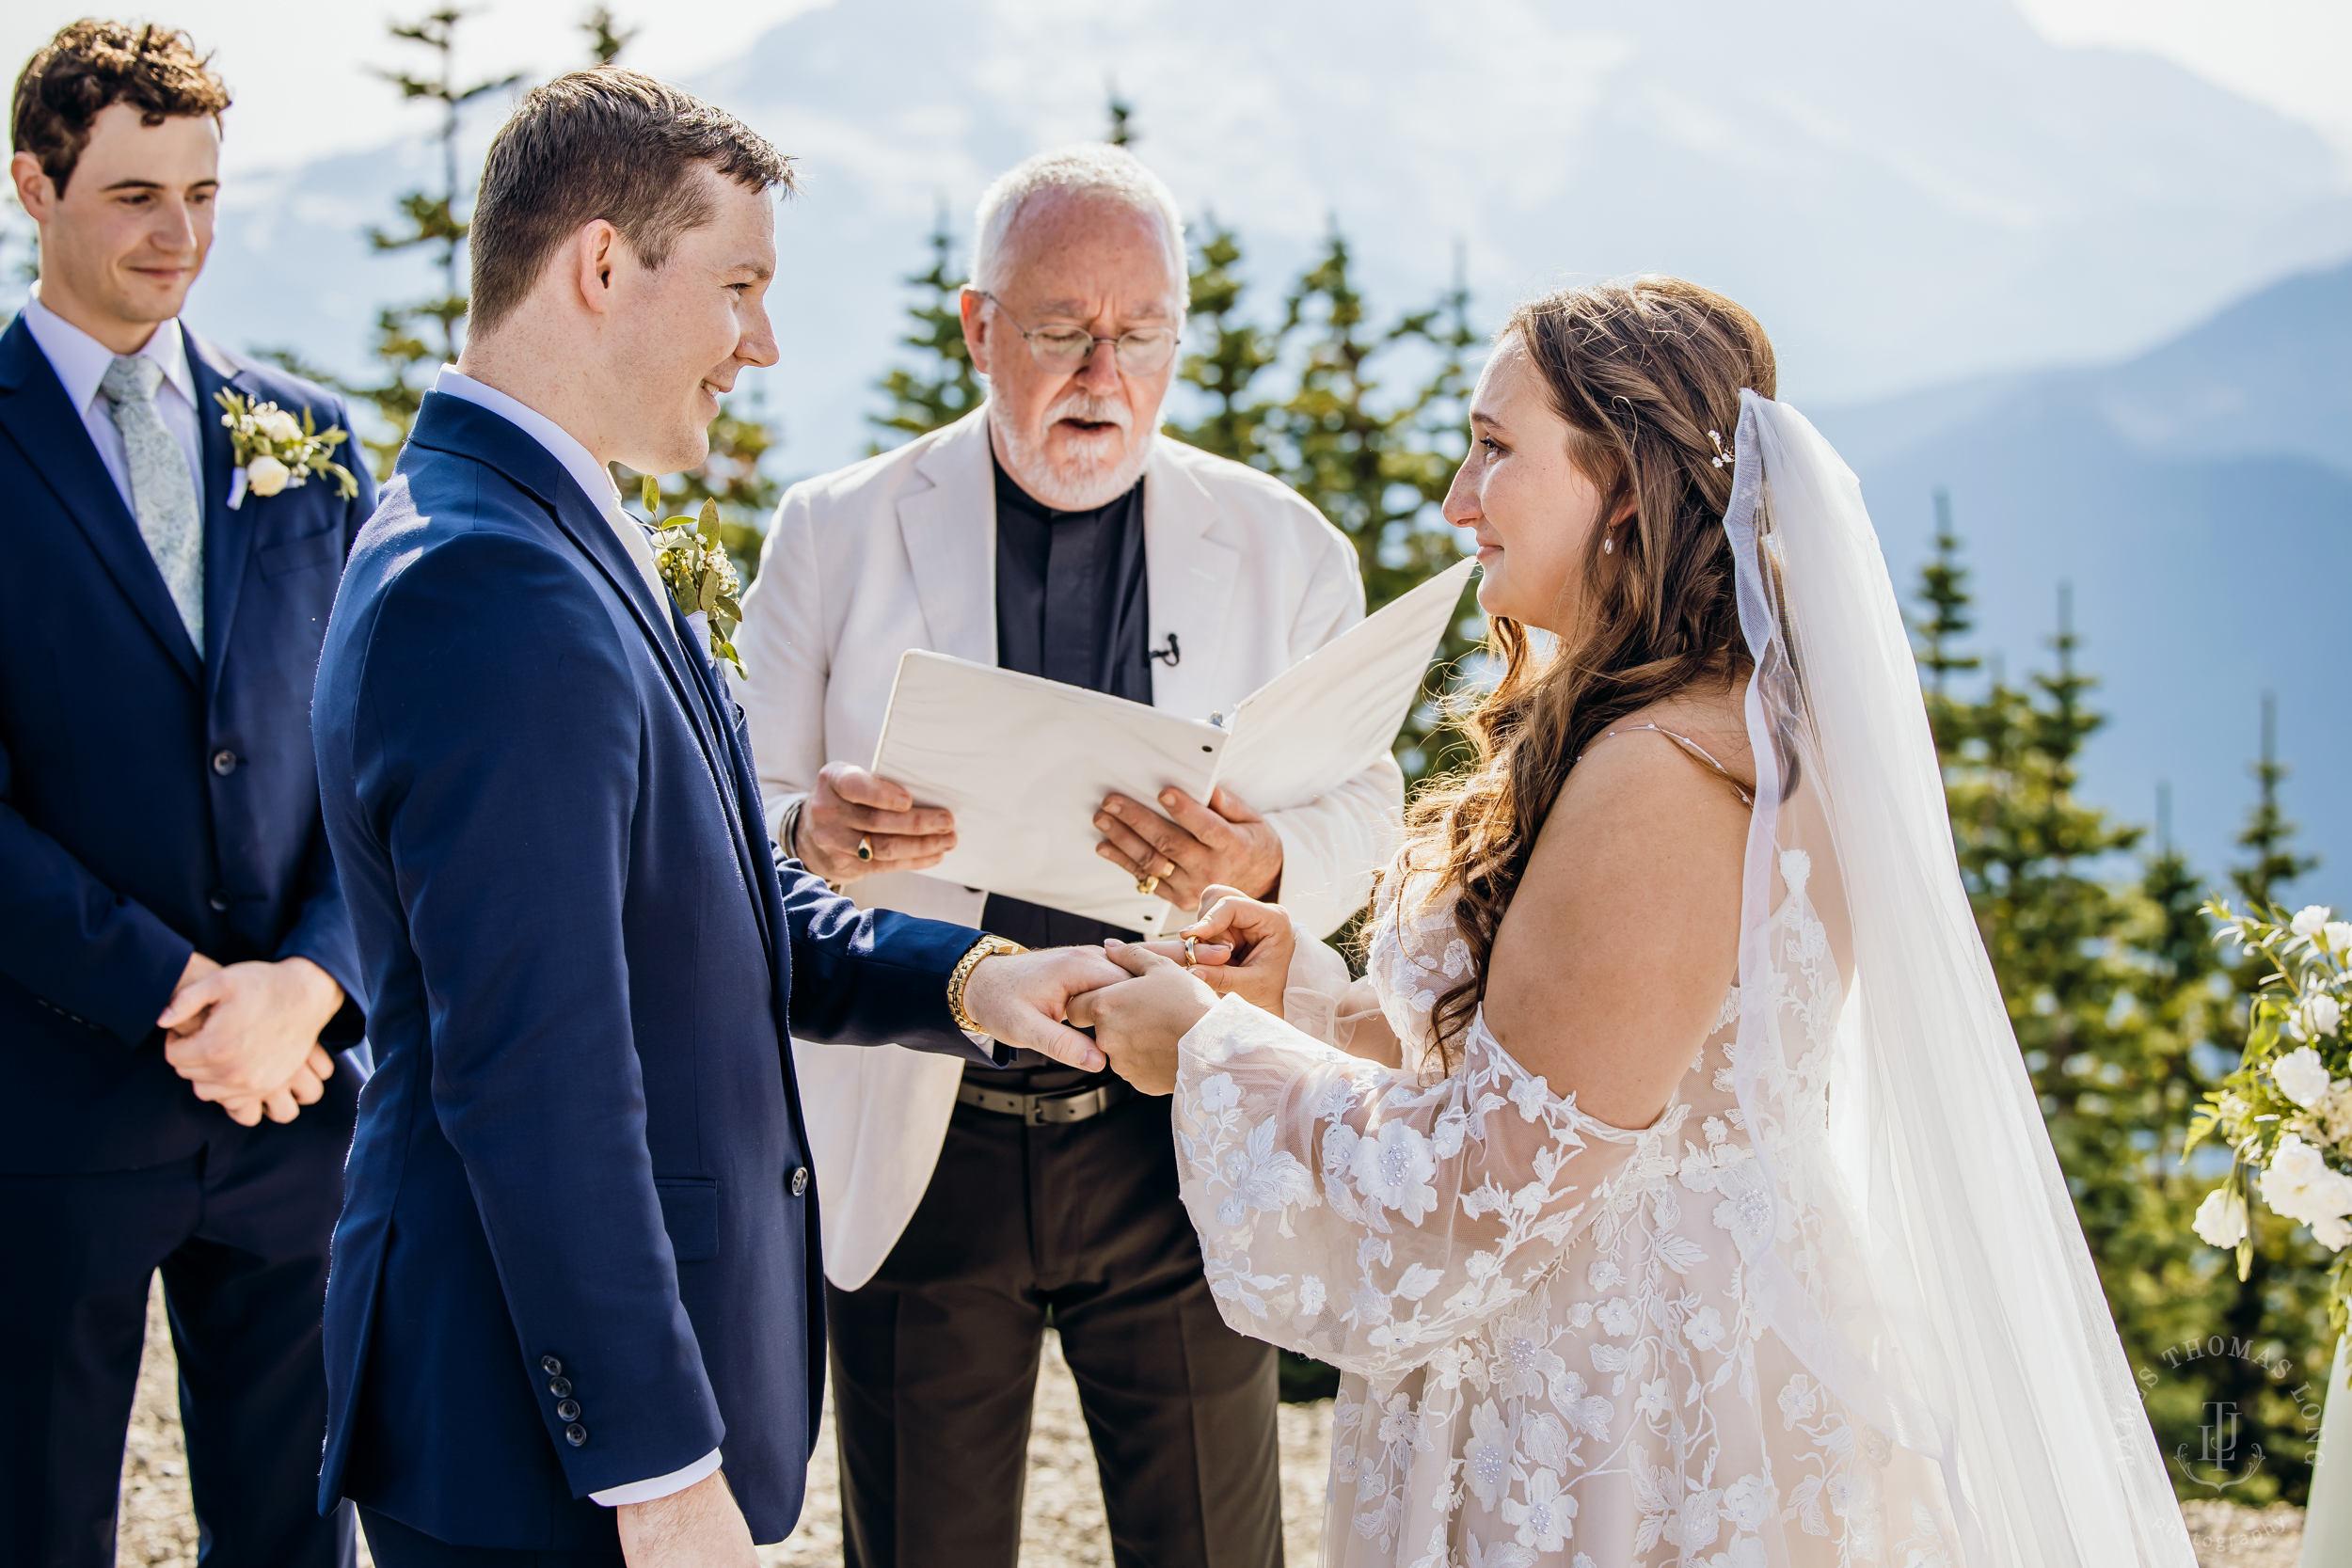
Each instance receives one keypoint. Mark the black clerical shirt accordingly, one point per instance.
(1072, 605)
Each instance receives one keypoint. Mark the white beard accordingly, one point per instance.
(1081, 483)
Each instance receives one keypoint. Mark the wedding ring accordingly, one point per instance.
(865, 847)
(1172, 870)
(1147, 885)
(1192, 959)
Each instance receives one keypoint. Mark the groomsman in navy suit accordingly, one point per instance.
(576, 1313)
(174, 951)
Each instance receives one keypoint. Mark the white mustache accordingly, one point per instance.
(1087, 407)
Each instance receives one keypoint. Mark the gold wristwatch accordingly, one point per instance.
(987, 947)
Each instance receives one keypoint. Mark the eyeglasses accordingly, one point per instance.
(1064, 349)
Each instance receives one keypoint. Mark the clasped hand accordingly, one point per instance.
(1242, 948)
(246, 1037)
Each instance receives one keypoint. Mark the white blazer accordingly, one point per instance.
(900, 552)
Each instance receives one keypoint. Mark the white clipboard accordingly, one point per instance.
(1025, 761)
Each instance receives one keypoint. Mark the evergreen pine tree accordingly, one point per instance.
(2109, 988)
(2267, 832)
(1227, 352)
(409, 337)
(606, 36)
(941, 387)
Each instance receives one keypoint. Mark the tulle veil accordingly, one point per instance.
(1963, 1317)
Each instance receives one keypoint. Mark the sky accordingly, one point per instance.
(308, 90)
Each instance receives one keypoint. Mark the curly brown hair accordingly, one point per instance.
(1641, 372)
(90, 66)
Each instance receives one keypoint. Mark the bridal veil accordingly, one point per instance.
(1960, 1314)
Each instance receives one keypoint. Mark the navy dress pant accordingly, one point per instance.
(393, 1545)
(240, 1231)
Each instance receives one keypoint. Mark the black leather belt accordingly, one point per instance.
(1039, 1109)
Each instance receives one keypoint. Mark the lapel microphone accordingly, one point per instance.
(1171, 655)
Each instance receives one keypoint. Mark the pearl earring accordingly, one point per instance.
(1608, 543)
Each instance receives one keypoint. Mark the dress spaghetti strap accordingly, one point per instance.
(1691, 749)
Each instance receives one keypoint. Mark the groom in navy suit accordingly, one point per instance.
(173, 946)
(577, 1308)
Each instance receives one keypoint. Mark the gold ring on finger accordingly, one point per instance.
(1172, 869)
(1192, 959)
(1147, 885)
(865, 847)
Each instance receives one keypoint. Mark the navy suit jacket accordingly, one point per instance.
(579, 1248)
(152, 803)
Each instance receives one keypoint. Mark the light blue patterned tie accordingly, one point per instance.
(163, 491)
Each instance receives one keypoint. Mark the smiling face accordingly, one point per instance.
(1532, 511)
(1085, 259)
(682, 332)
(128, 234)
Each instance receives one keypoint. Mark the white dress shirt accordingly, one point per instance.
(81, 361)
(594, 481)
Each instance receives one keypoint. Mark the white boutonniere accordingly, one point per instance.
(274, 450)
(696, 567)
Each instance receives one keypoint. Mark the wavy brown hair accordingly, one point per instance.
(1641, 372)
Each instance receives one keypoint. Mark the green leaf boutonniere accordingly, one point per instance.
(275, 452)
(696, 567)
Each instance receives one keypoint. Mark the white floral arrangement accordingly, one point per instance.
(276, 452)
(2286, 1112)
(700, 574)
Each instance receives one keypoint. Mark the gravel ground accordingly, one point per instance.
(1061, 1524)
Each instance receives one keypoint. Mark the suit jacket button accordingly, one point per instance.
(224, 762)
(799, 1180)
(550, 1366)
(567, 1410)
(219, 901)
(561, 1388)
(576, 1435)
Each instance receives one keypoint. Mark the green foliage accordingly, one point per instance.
(2115, 991)
(411, 338)
(732, 479)
(607, 37)
(941, 387)
(1375, 462)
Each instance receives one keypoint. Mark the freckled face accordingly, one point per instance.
(1532, 509)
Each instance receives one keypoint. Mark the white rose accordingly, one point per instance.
(2321, 1015)
(2338, 935)
(2299, 1185)
(2302, 1076)
(2311, 920)
(265, 476)
(2221, 1218)
(278, 425)
(2331, 1234)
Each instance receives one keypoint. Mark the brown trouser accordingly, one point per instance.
(935, 1361)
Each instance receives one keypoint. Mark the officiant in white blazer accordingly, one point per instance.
(1054, 531)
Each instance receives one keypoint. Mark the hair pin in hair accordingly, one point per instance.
(1724, 456)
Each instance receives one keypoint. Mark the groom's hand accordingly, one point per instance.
(1021, 998)
(698, 1528)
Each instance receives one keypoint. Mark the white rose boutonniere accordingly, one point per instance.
(698, 571)
(276, 452)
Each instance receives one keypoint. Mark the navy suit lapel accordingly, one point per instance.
(227, 535)
(57, 446)
(451, 424)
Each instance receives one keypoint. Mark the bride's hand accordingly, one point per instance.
(1138, 1021)
(1256, 941)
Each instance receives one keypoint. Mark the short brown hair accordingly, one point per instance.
(90, 66)
(602, 143)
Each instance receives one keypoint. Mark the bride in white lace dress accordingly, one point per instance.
(1669, 1191)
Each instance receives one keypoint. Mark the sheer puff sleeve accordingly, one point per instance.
(1363, 1216)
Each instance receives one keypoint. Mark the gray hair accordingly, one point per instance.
(1090, 167)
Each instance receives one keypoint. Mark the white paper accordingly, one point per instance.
(1025, 761)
